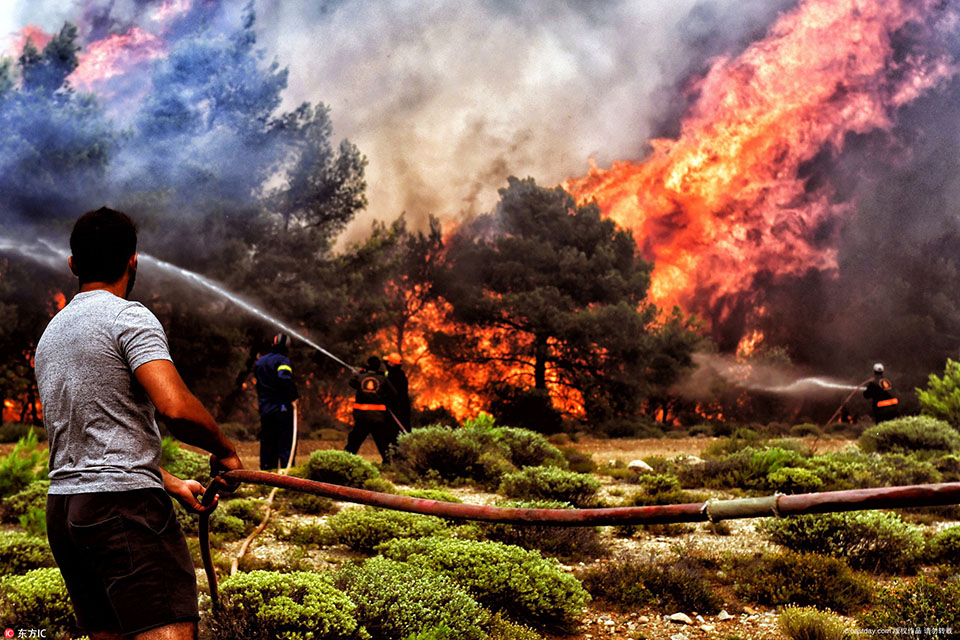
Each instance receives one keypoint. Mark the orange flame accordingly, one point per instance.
(114, 55)
(725, 201)
(31, 32)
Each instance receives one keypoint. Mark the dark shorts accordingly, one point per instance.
(124, 559)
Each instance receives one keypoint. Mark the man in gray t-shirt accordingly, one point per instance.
(103, 369)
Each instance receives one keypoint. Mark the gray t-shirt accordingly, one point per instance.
(99, 421)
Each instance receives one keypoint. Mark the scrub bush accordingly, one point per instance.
(304, 503)
(941, 398)
(463, 454)
(897, 469)
(871, 540)
(247, 510)
(21, 552)
(909, 434)
(262, 605)
(363, 529)
(38, 598)
(395, 599)
(568, 543)
(522, 584)
(794, 480)
(527, 448)
(632, 584)
(747, 468)
(184, 463)
(551, 483)
(801, 579)
(34, 496)
(922, 603)
(340, 467)
(945, 546)
(24, 465)
(433, 494)
(809, 623)
(578, 461)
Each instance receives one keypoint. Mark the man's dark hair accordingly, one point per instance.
(373, 363)
(102, 243)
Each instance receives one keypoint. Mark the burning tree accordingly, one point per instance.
(561, 295)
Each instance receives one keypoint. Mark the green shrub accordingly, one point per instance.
(263, 605)
(24, 465)
(21, 552)
(801, 579)
(794, 480)
(499, 628)
(897, 469)
(396, 599)
(340, 467)
(941, 398)
(922, 603)
(380, 485)
(842, 471)
(528, 449)
(578, 461)
(945, 546)
(948, 466)
(747, 468)
(13, 431)
(232, 527)
(364, 529)
(551, 483)
(433, 494)
(871, 540)
(805, 430)
(306, 503)
(307, 533)
(740, 439)
(250, 511)
(184, 463)
(633, 584)
(809, 623)
(523, 584)
(659, 482)
(909, 434)
(447, 454)
(34, 496)
(38, 599)
(568, 543)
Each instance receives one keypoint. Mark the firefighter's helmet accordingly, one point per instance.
(878, 368)
(394, 359)
(281, 341)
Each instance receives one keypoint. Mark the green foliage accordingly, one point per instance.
(747, 468)
(34, 496)
(307, 503)
(527, 448)
(659, 482)
(945, 546)
(396, 599)
(523, 584)
(433, 494)
(941, 398)
(13, 431)
(578, 461)
(794, 480)
(871, 540)
(633, 584)
(250, 511)
(452, 454)
(500, 628)
(925, 602)
(20, 552)
(568, 543)
(38, 599)
(801, 579)
(805, 430)
(551, 483)
(263, 605)
(909, 434)
(809, 623)
(184, 463)
(34, 522)
(25, 464)
(340, 467)
(363, 529)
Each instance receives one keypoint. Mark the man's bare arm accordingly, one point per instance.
(187, 419)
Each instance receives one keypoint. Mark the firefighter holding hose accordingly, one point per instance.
(370, 410)
(276, 399)
(886, 405)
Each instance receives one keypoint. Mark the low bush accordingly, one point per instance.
(500, 628)
(451, 455)
(230, 527)
(250, 511)
(898, 469)
(578, 461)
(909, 434)
(805, 430)
(363, 529)
(809, 623)
(306, 533)
(20, 552)
(523, 584)
(924, 602)
(871, 540)
(263, 605)
(945, 547)
(805, 579)
(38, 599)
(568, 543)
(340, 467)
(551, 483)
(794, 480)
(294, 501)
(184, 463)
(24, 465)
(396, 599)
(747, 468)
(33, 496)
(527, 448)
(740, 439)
(433, 494)
(633, 584)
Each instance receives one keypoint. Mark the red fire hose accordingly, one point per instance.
(779, 505)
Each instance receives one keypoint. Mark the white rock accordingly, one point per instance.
(644, 619)
(700, 619)
(723, 615)
(678, 636)
(680, 618)
(639, 466)
(707, 627)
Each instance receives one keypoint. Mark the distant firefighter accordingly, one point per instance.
(886, 405)
(370, 416)
(276, 397)
(397, 377)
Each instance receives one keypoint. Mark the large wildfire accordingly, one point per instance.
(722, 208)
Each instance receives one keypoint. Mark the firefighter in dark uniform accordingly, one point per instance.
(886, 405)
(397, 377)
(276, 399)
(370, 416)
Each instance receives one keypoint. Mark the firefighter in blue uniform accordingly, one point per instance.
(370, 416)
(276, 399)
(886, 405)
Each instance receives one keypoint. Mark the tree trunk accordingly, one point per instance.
(540, 363)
